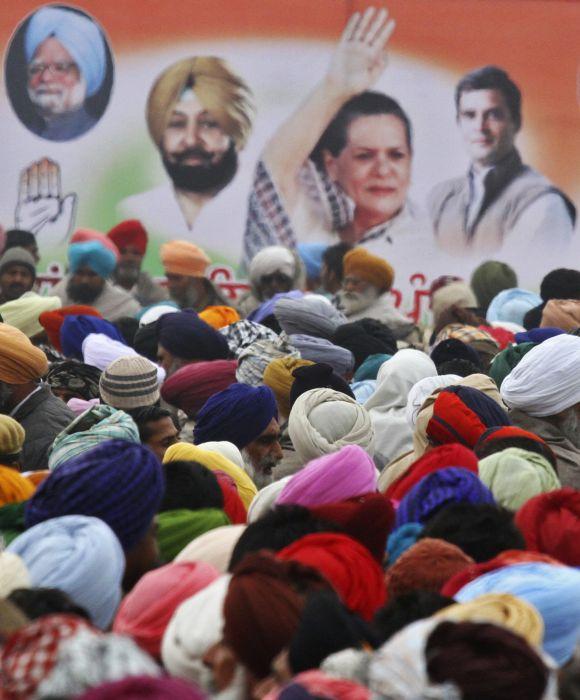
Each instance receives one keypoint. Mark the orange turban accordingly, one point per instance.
(219, 316)
(20, 361)
(216, 86)
(370, 268)
(278, 376)
(52, 321)
(14, 488)
(183, 258)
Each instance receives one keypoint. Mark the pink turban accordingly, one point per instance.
(146, 611)
(348, 473)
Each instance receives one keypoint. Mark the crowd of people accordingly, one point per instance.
(299, 493)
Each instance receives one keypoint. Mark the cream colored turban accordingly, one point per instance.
(323, 420)
(216, 86)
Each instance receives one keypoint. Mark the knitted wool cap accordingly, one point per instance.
(130, 382)
(117, 481)
(11, 436)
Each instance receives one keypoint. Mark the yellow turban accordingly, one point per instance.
(368, 267)
(20, 361)
(14, 488)
(216, 462)
(278, 376)
(216, 86)
(219, 316)
(500, 609)
(11, 436)
(183, 258)
(23, 313)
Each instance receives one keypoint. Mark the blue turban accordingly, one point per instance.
(80, 36)
(93, 254)
(321, 350)
(311, 255)
(401, 539)
(239, 414)
(80, 556)
(370, 367)
(537, 335)
(552, 590)
(363, 390)
(187, 336)
(512, 305)
(439, 489)
(76, 328)
(117, 481)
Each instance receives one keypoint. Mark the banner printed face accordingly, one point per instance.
(151, 157)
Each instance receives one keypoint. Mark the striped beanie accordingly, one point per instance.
(130, 382)
(117, 481)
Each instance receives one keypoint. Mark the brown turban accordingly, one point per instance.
(368, 267)
(20, 360)
(216, 86)
(263, 606)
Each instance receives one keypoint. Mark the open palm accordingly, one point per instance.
(361, 57)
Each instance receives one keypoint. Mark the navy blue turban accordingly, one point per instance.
(238, 414)
(187, 336)
(438, 490)
(119, 482)
(75, 329)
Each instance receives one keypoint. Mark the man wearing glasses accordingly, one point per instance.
(66, 64)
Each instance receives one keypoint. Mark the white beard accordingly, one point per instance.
(258, 476)
(52, 102)
(353, 302)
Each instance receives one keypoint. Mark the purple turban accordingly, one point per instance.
(75, 329)
(187, 336)
(117, 481)
(348, 473)
(239, 414)
(439, 489)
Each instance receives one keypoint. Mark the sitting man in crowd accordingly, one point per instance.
(17, 274)
(365, 291)
(185, 266)
(92, 259)
(130, 237)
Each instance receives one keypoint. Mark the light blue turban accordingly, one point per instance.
(80, 36)
(363, 390)
(79, 555)
(107, 424)
(552, 590)
(512, 305)
(311, 254)
(93, 254)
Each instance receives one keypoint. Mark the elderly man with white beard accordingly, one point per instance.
(366, 289)
(67, 63)
(543, 395)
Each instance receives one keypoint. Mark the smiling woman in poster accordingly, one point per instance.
(340, 167)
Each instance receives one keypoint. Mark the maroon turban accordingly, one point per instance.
(191, 386)
(550, 524)
(129, 233)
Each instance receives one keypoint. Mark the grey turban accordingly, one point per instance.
(310, 315)
(321, 350)
(323, 420)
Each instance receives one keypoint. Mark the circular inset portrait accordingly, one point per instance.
(59, 72)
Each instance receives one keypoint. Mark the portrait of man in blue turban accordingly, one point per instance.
(62, 57)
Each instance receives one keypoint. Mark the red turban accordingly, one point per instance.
(191, 386)
(233, 505)
(368, 519)
(52, 321)
(507, 558)
(347, 565)
(263, 606)
(550, 524)
(426, 566)
(451, 455)
(502, 336)
(130, 232)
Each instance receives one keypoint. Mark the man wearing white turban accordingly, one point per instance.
(543, 395)
(66, 57)
(323, 420)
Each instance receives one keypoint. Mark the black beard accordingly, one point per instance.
(127, 275)
(206, 178)
(81, 293)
